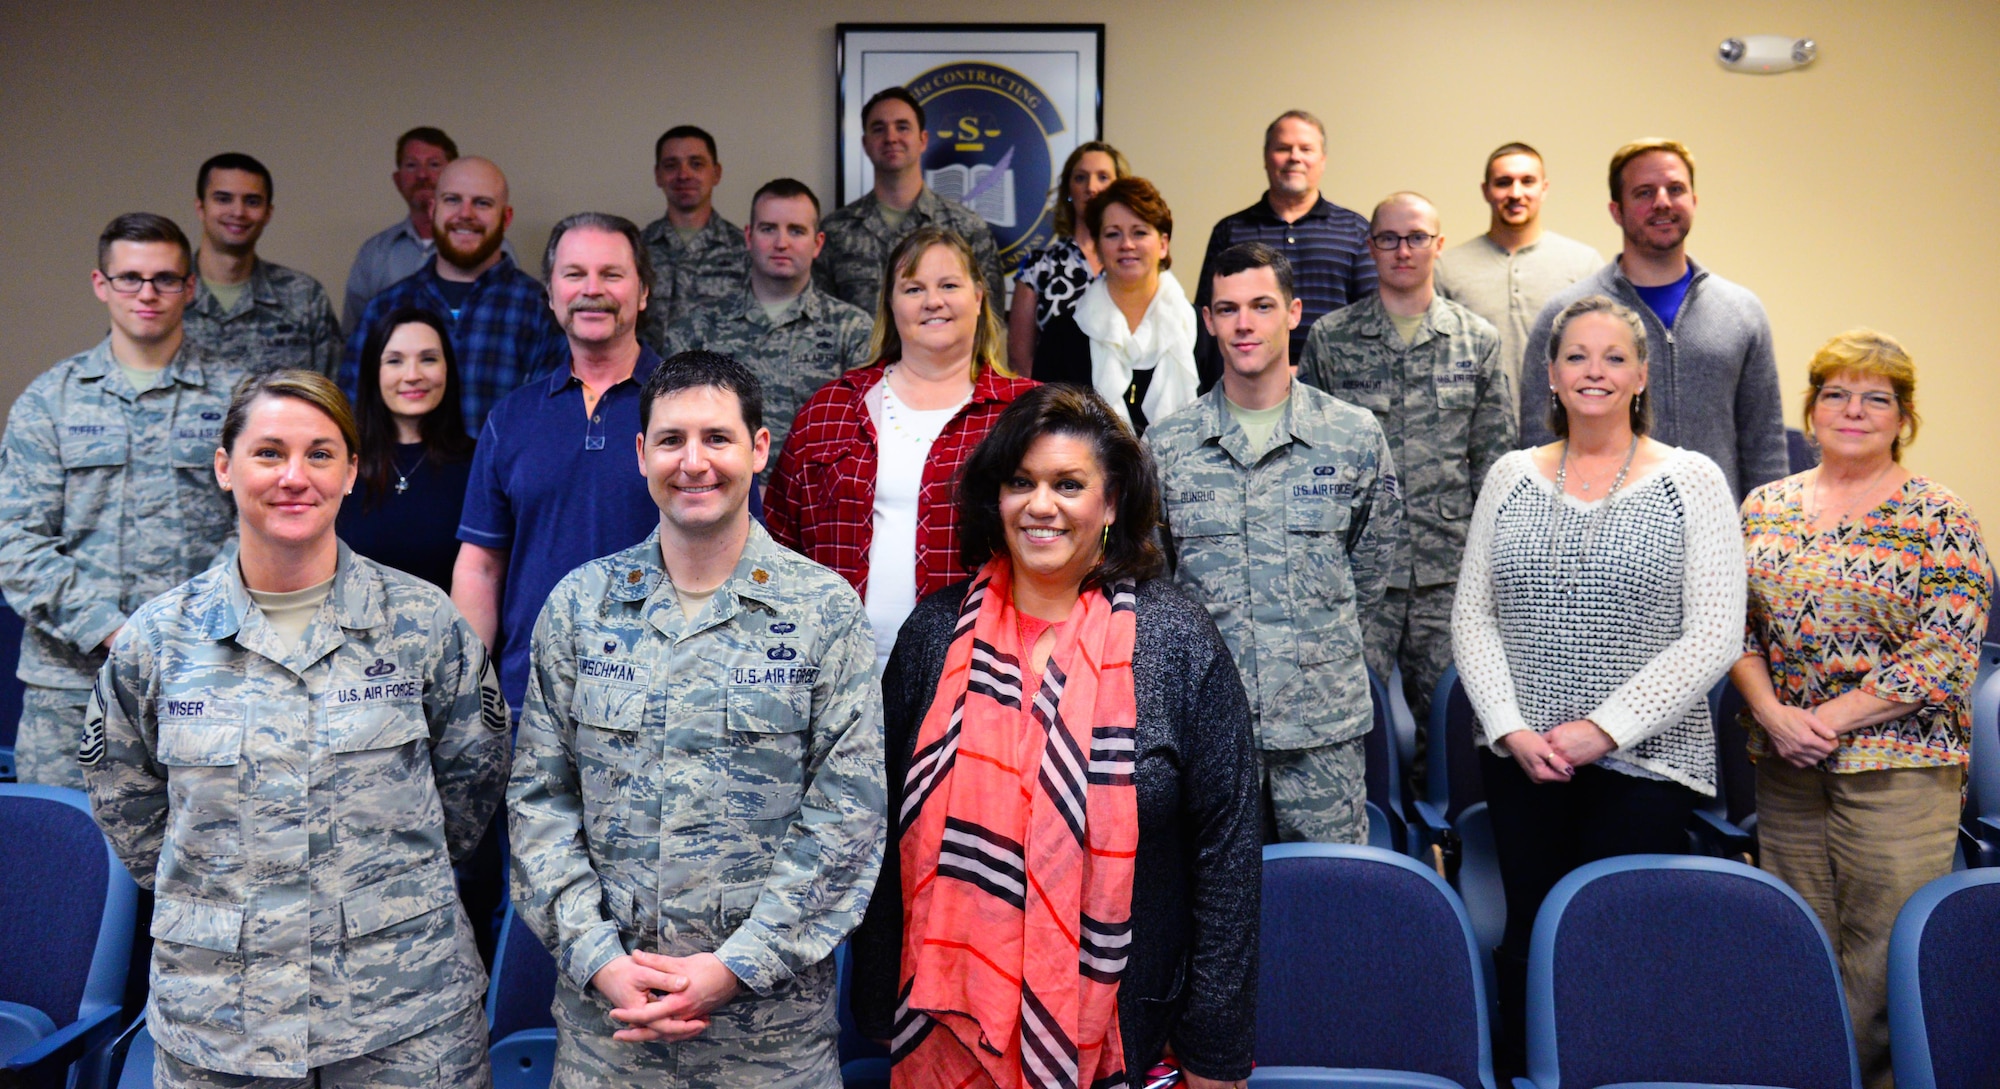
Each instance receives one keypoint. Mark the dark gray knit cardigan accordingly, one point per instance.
(1192, 976)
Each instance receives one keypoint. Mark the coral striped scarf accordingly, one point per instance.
(1018, 834)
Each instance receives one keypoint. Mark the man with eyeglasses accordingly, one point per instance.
(107, 486)
(1430, 371)
(1713, 384)
(247, 313)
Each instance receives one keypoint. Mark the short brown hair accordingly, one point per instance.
(1271, 129)
(1138, 196)
(143, 227)
(311, 387)
(1131, 548)
(1642, 409)
(1877, 355)
(1065, 211)
(989, 344)
(427, 134)
(1514, 148)
(1637, 148)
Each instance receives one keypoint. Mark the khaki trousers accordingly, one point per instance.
(1855, 847)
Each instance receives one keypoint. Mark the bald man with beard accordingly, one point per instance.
(501, 327)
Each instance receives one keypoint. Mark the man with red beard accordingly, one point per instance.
(498, 315)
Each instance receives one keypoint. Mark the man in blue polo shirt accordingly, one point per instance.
(1327, 245)
(553, 484)
(499, 315)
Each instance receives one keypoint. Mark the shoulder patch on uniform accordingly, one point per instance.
(91, 750)
(492, 702)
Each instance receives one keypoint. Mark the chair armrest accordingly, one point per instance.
(1721, 836)
(70, 1043)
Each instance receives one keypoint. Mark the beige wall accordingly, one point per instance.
(1805, 180)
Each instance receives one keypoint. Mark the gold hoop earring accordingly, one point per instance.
(1104, 542)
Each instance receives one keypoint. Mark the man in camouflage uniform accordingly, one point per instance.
(860, 236)
(794, 337)
(107, 485)
(1431, 372)
(698, 256)
(696, 811)
(249, 314)
(296, 810)
(1285, 517)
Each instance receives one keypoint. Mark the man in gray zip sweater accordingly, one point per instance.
(1714, 381)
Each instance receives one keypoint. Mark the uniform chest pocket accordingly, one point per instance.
(1457, 390)
(375, 724)
(764, 772)
(1316, 558)
(201, 743)
(208, 734)
(93, 445)
(609, 704)
(196, 435)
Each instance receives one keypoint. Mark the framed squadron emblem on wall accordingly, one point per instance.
(1004, 104)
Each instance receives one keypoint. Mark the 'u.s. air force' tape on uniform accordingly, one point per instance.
(492, 702)
(92, 748)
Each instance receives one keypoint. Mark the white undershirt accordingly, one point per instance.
(903, 447)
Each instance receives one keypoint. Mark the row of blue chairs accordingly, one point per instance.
(1370, 977)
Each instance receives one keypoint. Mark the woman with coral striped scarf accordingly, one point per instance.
(1073, 893)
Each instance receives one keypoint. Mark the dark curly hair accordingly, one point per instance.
(1133, 550)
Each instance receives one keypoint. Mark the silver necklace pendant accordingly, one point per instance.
(402, 483)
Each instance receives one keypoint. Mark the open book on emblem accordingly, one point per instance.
(976, 187)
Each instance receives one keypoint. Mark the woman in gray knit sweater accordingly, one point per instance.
(1600, 597)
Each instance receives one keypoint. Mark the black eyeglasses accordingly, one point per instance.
(1387, 241)
(166, 283)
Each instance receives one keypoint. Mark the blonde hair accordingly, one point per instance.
(311, 387)
(1637, 148)
(989, 344)
(1871, 354)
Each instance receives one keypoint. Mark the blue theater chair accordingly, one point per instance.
(1687, 970)
(66, 923)
(1367, 977)
(1944, 984)
(518, 1021)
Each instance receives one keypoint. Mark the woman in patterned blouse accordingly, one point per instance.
(1869, 587)
(1052, 278)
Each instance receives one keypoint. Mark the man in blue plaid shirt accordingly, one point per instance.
(502, 330)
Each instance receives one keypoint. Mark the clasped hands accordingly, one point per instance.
(1799, 736)
(664, 998)
(1554, 757)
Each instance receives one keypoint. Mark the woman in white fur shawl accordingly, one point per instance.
(1132, 334)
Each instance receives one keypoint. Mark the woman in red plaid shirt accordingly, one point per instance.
(867, 479)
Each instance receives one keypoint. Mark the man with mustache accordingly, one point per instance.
(498, 315)
(1325, 244)
(860, 235)
(249, 314)
(1713, 382)
(794, 337)
(698, 255)
(1507, 274)
(1430, 371)
(405, 245)
(553, 484)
